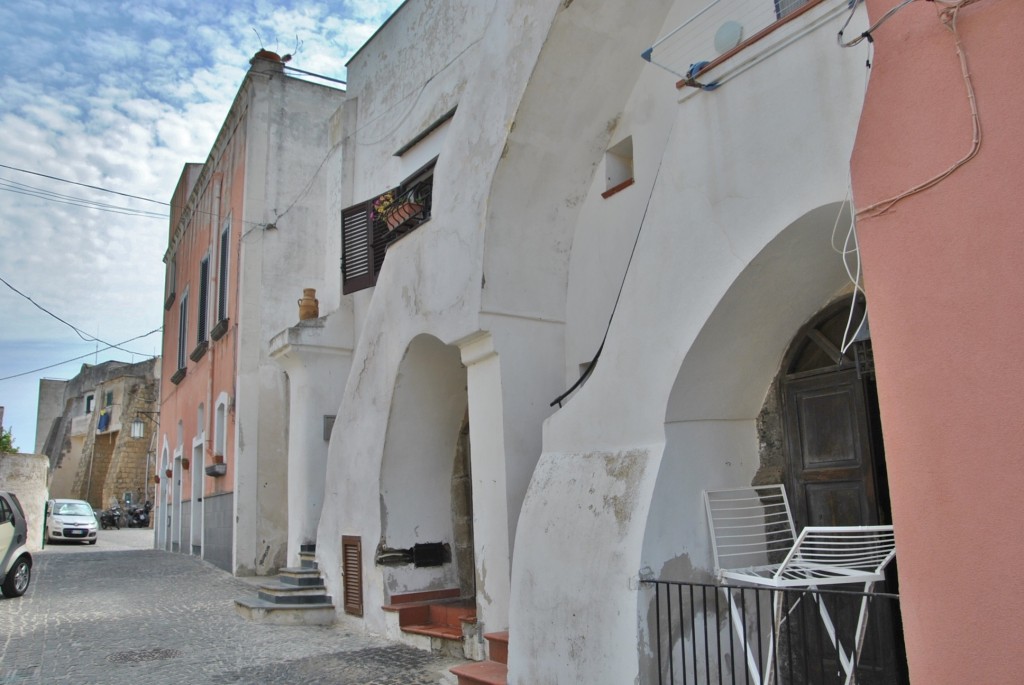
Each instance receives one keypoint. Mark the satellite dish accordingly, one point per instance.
(728, 36)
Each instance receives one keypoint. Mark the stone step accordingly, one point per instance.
(307, 559)
(481, 673)
(498, 643)
(298, 575)
(283, 593)
(311, 614)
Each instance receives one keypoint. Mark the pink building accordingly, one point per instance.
(245, 239)
(942, 274)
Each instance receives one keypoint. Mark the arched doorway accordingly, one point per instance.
(835, 462)
(835, 458)
(426, 541)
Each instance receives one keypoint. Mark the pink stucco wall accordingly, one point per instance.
(221, 196)
(945, 291)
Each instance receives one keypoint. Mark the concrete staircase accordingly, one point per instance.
(298, 596)
(491, 672)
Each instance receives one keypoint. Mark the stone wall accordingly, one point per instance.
(25, 475)
(127, 471)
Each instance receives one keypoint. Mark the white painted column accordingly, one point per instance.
(317, 372)
(490, 501)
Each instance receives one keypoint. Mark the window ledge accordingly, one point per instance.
(178, 376)
(219, 330)
(616, 188)
(200, 350)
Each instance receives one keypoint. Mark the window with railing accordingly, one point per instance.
(369, 227)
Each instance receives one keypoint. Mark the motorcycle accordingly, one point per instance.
(111, 518)
(138, 517)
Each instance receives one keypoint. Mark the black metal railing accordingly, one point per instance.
(701, 634)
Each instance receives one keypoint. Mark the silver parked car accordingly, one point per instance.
(15, 561)
(70, 519)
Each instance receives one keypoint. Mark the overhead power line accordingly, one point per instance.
(83, 356)
(30, 191)
(86, 185)
(81, 334)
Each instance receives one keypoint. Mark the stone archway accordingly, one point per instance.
(426, 492)
(827, 447)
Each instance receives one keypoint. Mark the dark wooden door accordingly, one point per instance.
(830, 450)
(836, 477)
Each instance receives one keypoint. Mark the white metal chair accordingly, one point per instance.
(754, 543)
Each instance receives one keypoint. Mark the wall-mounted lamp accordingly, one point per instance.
(138, 428)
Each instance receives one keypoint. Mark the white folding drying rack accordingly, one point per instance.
(754, 543)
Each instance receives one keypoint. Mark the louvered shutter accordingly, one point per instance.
(204, 287)
(352, 570)
(363, 245)
(356, 248)
(222, 278)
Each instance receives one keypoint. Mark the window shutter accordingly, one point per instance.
(352, 570)
(182, 330)
(357, 262)
(204, 287)
(222, 281)
(363, 244)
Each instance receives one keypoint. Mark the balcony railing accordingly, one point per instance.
(368, 228)
(695, 639)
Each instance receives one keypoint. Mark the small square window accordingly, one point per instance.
(618, 167)
(89, 401)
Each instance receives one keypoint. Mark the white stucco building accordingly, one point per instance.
(673, 247)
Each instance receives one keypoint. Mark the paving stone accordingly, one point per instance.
(142, 617)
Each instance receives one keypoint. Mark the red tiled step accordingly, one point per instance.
(499, 646)
(432, 630)
(481, 673)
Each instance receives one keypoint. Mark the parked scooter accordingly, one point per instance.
(111, 518)
(138, 517)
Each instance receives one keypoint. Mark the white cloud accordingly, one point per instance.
(121, 95)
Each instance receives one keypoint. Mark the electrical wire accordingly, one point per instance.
(81, 334)
(948, 17)
(866, 35)
(618, 296)
(853, 273)
(79, 202)
(83, 356)
(130, 212)
(84, 185)
(42, 192)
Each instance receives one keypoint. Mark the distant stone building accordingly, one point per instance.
(79, 428)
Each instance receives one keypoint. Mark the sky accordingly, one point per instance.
(119, 96)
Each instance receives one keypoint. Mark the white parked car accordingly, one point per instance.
(70, 519)
(15, 560)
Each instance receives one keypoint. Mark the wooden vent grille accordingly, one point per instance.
(352, 570)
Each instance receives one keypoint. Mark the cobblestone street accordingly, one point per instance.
(113, 615)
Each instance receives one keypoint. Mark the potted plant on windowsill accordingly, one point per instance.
(396, 209)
